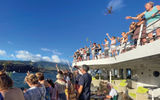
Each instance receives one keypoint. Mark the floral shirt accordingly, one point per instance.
(35, 93)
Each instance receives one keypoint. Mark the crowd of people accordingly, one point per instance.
(68, 86)
(148, 21)
(76, 85)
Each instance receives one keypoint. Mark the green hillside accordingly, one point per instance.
(23, 66)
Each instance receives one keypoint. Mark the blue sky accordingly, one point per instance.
(52, 30)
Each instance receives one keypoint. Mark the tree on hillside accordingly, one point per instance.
(5, 65)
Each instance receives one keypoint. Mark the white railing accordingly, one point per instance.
(140, 35)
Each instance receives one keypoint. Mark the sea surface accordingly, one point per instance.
(18, 78)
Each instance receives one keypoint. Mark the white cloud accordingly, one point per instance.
(56, 59)
(38, 55)
(12, 55)
(28, 56)
(116, 4)
(3, 53)
(25, 55)
(55, 52)
(46, 58)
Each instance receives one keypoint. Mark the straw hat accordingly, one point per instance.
(59, 76)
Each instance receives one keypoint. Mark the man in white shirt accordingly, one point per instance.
(113, 95)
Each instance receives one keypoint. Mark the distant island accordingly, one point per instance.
(25, 66)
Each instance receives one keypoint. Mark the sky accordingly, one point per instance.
(51, 30)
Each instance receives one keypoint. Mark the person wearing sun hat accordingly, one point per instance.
(61, 86)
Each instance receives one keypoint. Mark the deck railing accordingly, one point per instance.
(138, 40)
(140, 34)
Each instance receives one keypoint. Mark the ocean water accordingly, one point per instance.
(18, 78)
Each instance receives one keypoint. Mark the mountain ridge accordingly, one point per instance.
(23, 66)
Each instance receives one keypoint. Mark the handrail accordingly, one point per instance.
(152, 24)
(121, 46)
(140, 35)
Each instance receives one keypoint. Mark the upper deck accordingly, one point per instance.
(147, 54)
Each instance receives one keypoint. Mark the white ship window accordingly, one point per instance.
(156, 73)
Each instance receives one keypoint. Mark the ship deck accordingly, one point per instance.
(148, 55)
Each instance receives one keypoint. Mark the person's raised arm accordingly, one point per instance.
(130, 31)
(28, 73)
(129, 17)
(136, 18)
(108, 36)
(57, 68)
(90, 44)
(126, 39)
(118, 39)
(103, 44)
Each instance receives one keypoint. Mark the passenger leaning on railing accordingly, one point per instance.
(152, 17)
(78, 55)
(94, 51)
(81, 54)
(84, 54)
(99, 50)
(106, 47)
(123, 42)
(75, 57)
(88, 53)
(113, 44)
(134, 31)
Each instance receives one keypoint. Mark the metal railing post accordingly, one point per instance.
(120, 51)
(140, 34)
(110, 76)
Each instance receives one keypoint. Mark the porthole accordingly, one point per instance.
(156, 73)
